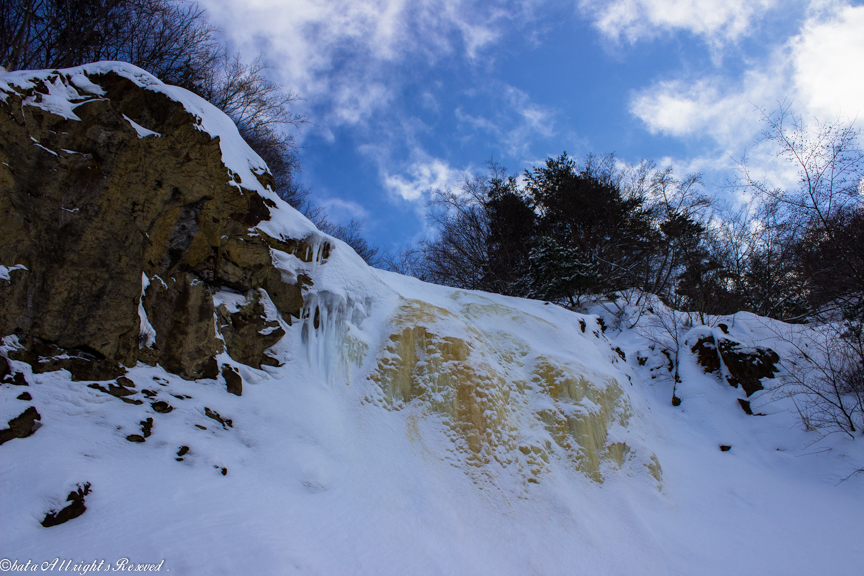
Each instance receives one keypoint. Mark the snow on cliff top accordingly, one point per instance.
(70, 87)
(66, 89)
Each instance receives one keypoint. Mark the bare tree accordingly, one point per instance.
(244, 92)
(50, 33)
(170, 39)
(825, 376)
(458, 256)
(263, 113)
(407, 260)
(683, 268)
(758, 244)
(818, 226)
(672, 202)
(829, 161)
(666, 327)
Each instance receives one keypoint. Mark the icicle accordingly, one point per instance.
(147, 334)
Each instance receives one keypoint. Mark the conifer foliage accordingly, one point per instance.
(557, 274)
(587, 210)
(572, 230)
(596, 228)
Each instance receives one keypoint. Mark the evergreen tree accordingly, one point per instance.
(584, 208)
(557, 274)
(511, 229)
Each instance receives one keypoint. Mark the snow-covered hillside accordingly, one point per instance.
(419, 429)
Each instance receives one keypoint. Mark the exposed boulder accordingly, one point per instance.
(83, 363)
(108, 177)
(248, 332)
(73, 510)
(225, 422)
(9, 376)
(22, 426)
(705, 349)
(747, 365)
(740, 365)
(233, 380)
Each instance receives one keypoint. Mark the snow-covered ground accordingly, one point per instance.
(324, 476)
(418, 429)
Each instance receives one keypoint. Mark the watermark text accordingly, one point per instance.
(80, 567)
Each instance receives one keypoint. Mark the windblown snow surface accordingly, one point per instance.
(419, 429)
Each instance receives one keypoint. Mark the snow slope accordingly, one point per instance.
(418, 429)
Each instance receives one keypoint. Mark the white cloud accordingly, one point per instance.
(342, 211)
(351, 60)
(717, 107)
(517, 121)
(827, 64)
(340, 54)
(716, 21)
(815, 71)
(355, 103)
(423, 174)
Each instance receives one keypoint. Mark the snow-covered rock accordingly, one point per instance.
(126, 206)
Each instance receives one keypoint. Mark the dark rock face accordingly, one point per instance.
(233, 380)
(247, 333)
(181, 310)
(745, 366)
(89, 206)
(73, 510)
(21, 426)
(706, 353)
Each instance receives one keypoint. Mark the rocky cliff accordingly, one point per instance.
(120, 218)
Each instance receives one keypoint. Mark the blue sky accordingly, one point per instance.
(408, 96)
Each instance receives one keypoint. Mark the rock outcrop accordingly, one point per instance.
(21, 426)
(120, 218)
(740, 365)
